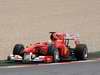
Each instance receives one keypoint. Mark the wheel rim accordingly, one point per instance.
(86, 53)
(56, 55)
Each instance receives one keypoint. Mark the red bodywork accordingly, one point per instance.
(57, 39)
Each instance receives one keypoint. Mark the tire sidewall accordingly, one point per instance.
(56, 56)
(81, 52)
(18, 49)
(54, 52)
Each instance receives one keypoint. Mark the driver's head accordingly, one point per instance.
(57, 36)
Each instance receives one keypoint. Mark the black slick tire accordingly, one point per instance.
(18, 49)
(55, 53)
(81, 52)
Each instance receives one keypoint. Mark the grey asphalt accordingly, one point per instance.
(29, 21)
(86, 68)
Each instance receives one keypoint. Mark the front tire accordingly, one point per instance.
(18, 49)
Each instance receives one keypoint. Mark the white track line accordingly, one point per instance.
(17, 66)
(21, 66)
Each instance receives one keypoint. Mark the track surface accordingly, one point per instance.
(29, 21)
(90, 67)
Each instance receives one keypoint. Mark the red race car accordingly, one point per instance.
(61, 46)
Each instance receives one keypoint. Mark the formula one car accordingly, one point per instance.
(61, 46)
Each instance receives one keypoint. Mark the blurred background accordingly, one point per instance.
(28, 21)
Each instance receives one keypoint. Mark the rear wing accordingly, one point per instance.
(72, 36)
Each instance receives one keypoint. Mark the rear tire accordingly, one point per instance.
(56, 57)
(81, 52)
(55, 53)
(18, 49)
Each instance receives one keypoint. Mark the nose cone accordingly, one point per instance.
(28, 49)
